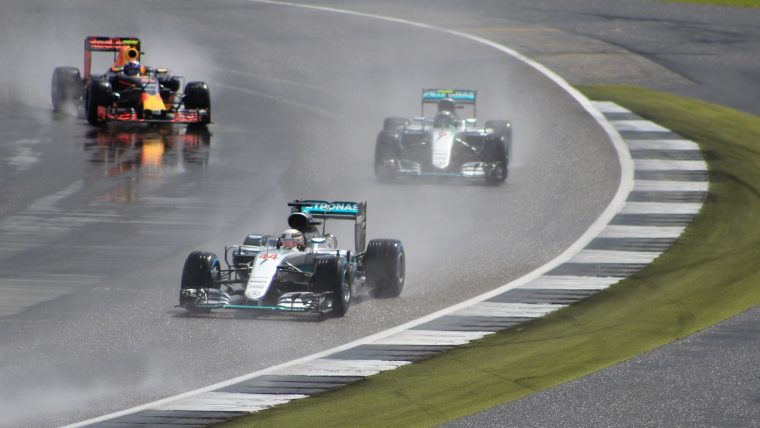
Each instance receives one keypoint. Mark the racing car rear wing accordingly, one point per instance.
(106, 44)
(464, 96)
(304, 211)
(459, 96)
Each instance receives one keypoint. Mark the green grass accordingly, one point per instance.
(709, 275)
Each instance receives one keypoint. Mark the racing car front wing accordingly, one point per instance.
(466, 170)
(181, 117)
(316, 302)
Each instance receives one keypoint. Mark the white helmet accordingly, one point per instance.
(292, 238)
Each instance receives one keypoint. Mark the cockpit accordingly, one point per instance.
(325, 242)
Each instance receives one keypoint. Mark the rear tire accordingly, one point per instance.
(66, 88)
(394, 123)
(385, 267)
(331, 274)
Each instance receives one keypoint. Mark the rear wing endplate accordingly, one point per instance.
(339, 210)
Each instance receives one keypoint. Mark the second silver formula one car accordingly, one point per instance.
(302, 270)
(445, 145)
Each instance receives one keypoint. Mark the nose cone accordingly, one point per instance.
(153, 103)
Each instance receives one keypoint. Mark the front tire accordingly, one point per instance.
(201, 270)
(196, 97)
(387, 152)
(99, 94)
(331, 274)
(499, 151)
(385, 267)
(495, 155)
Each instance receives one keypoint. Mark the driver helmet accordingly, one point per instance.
(292, 239)
(132, 68)
(447, 104)
(443, 119)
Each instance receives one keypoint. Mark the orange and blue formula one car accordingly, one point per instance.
(129, 92)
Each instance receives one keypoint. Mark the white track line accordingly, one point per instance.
(569, 282)
(618, 231)
(431, 337)
(669, 165)
(670, 186)
(330, 367)
(660, 208)
(685, 145)
(229, 402)
(610, 107)
(637, 126)
(508, 310)
(610, 256)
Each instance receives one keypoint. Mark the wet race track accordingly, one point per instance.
(96, 223)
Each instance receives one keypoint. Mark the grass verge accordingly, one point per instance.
(709, 275)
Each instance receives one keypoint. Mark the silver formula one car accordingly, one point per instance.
(444, 145)
(302, 270)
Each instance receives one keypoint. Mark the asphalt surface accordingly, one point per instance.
(705, 52)
(95, 225)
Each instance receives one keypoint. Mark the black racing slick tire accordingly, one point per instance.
(500, 127)
(201, 270)
(497, 150)
(495, 155)
(196, 97)
(394, 123)
(66, 88)
(385, 267)
(171, 83)
(387, 151)
(331, 274)
(99, 94)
